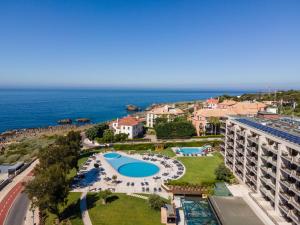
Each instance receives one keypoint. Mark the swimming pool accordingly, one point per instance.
(130, 167)
(191, 150)
(198, 212)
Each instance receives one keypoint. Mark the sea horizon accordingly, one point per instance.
(33, 108)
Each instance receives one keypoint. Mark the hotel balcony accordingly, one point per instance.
(230, 143)
(240, 150)
(252, 169)
(267, 193)
(231, 136)
(268, 182)
(270, 148)
(269, 171)
(239, 159)
(230, 128)
(240, 133)
(253, 139)
(294, 216)
(252, 149)
(270, 159)
(295, 188)
(292, 201)
(295, 174)
(292, 159)
(240, 142)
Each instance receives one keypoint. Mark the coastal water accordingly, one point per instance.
(39, 108)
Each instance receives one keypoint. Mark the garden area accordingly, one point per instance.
(121, 209)
(200, 170)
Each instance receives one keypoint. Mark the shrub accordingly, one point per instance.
(174, 129)
(223, 173)
(134, 146)
(156, 202)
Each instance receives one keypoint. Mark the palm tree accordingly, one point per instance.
(215, 122)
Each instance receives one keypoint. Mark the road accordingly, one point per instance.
(6, 203)
(18, 210)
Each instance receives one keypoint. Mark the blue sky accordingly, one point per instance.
(166, 43)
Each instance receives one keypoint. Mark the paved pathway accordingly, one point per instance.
(9, 193)
(84, 211)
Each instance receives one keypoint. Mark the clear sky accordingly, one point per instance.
(150, 43)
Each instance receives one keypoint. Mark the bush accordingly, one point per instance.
(223, 173)
(134, 146)
(156, 202)
(174, 129)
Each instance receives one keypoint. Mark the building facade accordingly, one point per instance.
(166, 111)
(129, 125)
(265, 155)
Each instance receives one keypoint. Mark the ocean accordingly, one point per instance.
(39, 108)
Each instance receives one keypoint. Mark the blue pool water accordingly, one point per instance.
(198, 212)
(138, 169)
(130, 167)
(191, 150)
(112, 155)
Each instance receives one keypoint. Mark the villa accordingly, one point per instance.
(166, 111)
(128, 125)
(201, 117)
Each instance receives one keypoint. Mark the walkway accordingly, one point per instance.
(242, 190)
(9, 193)
(84, 211)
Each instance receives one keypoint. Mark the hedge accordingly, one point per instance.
(147, 146)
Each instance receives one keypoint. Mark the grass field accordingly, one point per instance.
(200, 169)
(121, 210)
(71, 211)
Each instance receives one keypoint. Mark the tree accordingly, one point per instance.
(104, 195)
(120, 137)
(223, 173)
(108, 136)
(156, 202)
(215, 123)
(49, 189)
(96, 131)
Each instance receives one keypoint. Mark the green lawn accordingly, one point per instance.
(71, 211)
(200, 169)
(122, 210)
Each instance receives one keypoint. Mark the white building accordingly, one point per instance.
(128, 125)
(265, 155)
(165, 111)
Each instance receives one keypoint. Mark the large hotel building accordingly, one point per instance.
(264, 154)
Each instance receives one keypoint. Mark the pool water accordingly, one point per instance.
(138, 169)
(191, 150)
(198, 212)
(130, 167)
(112, 155)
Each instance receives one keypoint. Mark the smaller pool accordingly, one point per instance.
(191, 150)
(112, 155)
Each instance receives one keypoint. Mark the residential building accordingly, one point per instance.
(166, 111)
(265, 155)
(201, 117)
(211, 103)
(128, 125)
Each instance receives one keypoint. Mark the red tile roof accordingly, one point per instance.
(129, 121)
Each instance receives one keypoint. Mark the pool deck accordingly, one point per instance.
(96, 181)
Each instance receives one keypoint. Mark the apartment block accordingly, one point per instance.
(265, 155)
